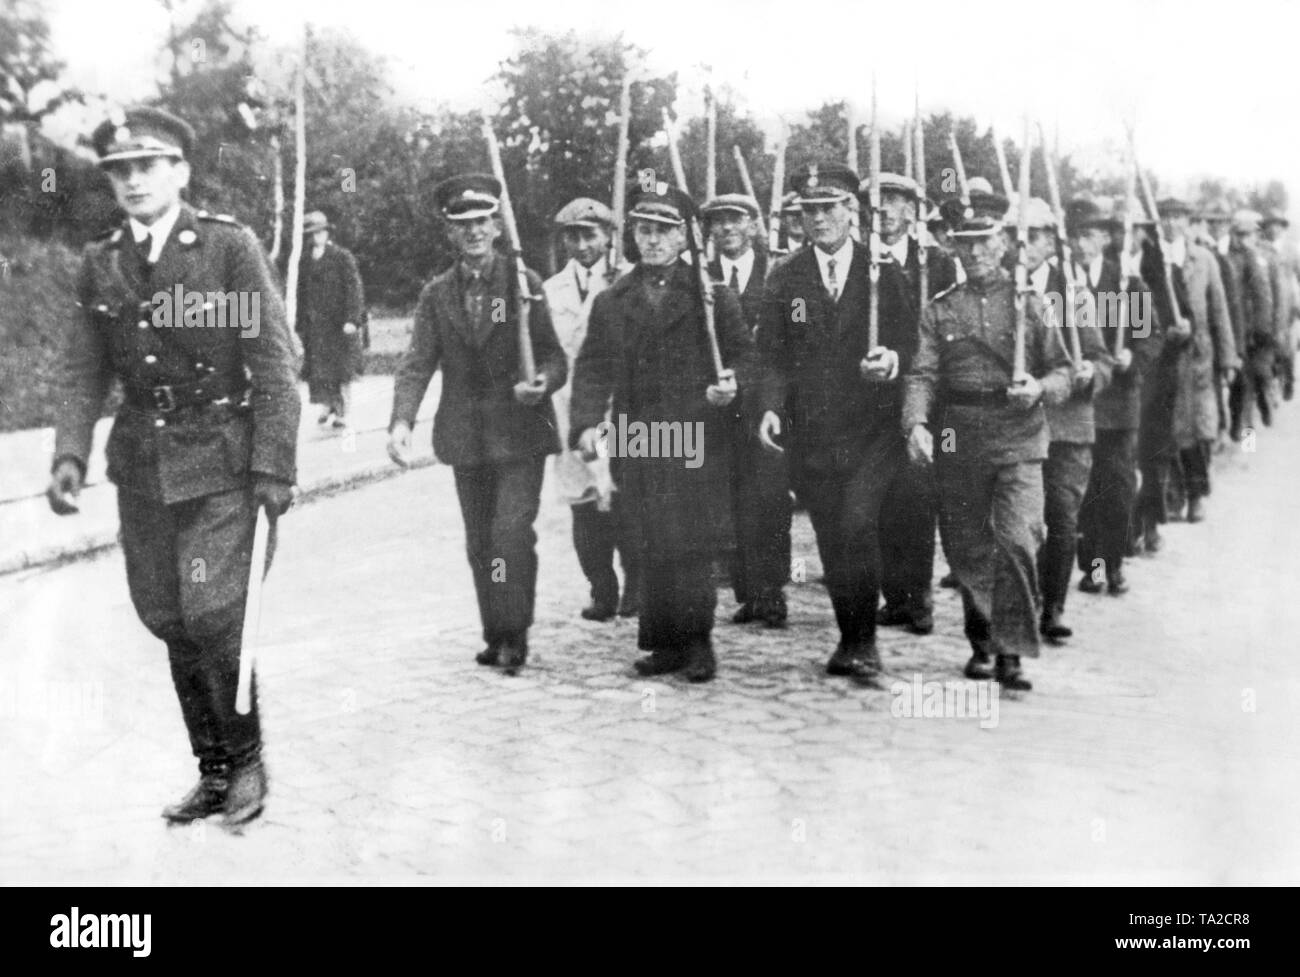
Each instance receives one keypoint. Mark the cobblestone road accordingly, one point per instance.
(1160, 746)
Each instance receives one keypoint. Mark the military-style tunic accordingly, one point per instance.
(988, 453)
(210, 403)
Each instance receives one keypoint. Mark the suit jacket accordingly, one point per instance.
(478, 421)
(1257, 313)
(1119, 406)
(1196, 410)
(1074, 420)
(330, 294)
(654, 366)
(132, 331)
(809, 352)
(941, 273)
(1232, 291)
(751, 299)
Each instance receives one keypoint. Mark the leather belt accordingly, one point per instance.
(975, 398)
(168, 397)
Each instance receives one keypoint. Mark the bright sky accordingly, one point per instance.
(1214, 85)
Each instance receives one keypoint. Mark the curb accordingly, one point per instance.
(95, 543)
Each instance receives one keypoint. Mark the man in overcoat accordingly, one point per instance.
(331, 312)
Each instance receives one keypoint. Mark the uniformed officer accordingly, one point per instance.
(494, 427)
(331, 312)
(601, 523)
(760, 490)
(206, 434)
(647, 354)
(993, 439)
(1071, 424)
(833, 398)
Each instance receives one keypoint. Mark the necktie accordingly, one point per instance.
(734, 283)
(584, 283)
(832, 285)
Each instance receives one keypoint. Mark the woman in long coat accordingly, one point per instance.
(331, 310)
(646, 351)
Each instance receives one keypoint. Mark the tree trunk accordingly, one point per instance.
(299, 187)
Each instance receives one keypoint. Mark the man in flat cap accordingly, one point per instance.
(1071, 424)
(493, 426)
(909, 512)
(331, 310)
(602, 524)
(829, 400)
(1282, 277)
(1208, 228)
(1256, 383)
(760, 487)
(1115, 290)
(1199, 287)
(994, 440)
(646, 364)
(206, 434)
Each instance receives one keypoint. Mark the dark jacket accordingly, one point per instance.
(1119, 406)
(751, 299)
(1258, 323)
(966, 349)
(1074, 420)
(128, 331)
(330, 294)
(941, 272)
(654, 367)
(479, 422)
(810, 349)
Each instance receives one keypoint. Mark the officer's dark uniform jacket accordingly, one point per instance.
(479, 421)
(964, 366)
(167, 444)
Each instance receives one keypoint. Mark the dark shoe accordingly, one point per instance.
(514, 652)
(246, 795)
(661, 661)
(866, 667)
(771, 611)
(1116, 584)
(491, 655)
(949, 580)
(980, 666)
(893, 616)
(701, 665)
(1196, 510)
(744, 614)
(1010, 676)
(206, 798)
(1088, 585)
(854, 661)
(1052, 628)
(598, 611)
(922, 620)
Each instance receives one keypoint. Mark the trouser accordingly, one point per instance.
(499, 504)
(596, 537)
(678, 598)
(1252, 386)
(845, 510)
(907, 525)
(1065, 481)
(761, 513)
(187, 570)
(1194, 462)
(1104, 517)
(993, 518)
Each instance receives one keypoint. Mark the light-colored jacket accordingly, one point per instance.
(576, 480)
(1196, 416)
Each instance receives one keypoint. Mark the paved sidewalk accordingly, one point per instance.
(32, 536)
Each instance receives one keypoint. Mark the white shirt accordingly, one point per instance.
(843, 258)
(1094, 271)
(744, 266)
(160, 229)
(1177, 251)
(1038, 278)
(898, 251)
(1222, 244)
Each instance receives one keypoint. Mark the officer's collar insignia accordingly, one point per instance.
(187, 237)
